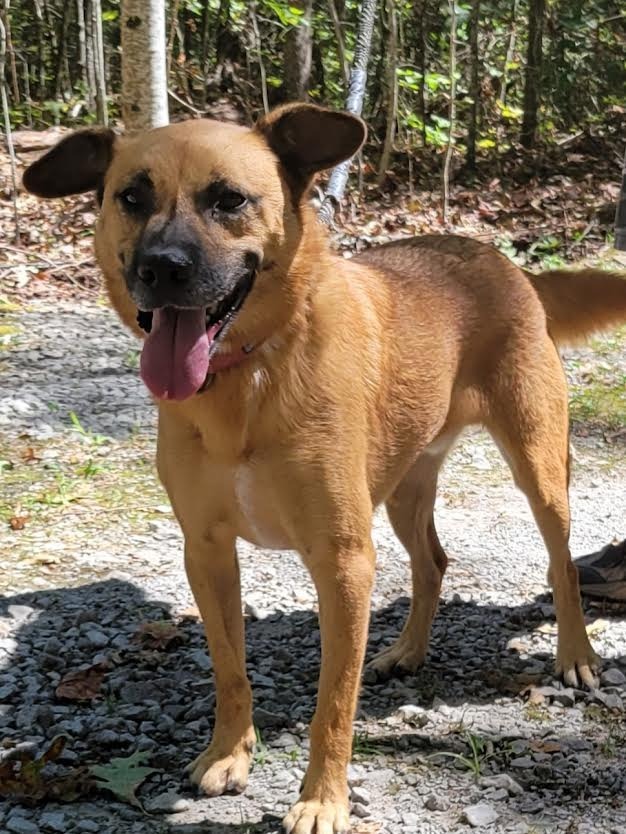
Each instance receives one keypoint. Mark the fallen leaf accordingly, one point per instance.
(191, 613)
(82, 684)
(23, 776)
(18, 522)
(539, 746)
(159, 634)
(547, 628)
(29, 454)
(122, 777)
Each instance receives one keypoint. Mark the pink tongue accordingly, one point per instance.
(175, 356)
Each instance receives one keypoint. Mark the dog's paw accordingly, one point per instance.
(401, 658)
(578, 665)
(317, 817)
(215, 773)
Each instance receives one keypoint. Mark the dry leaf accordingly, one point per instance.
(597, 627)
(23, 777)
(82, 684)
(159, 634)
(18, 522)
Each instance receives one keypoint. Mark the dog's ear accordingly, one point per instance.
(307, 138)
(77, 163)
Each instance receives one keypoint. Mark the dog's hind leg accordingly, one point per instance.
(410, 511)
(529, 421)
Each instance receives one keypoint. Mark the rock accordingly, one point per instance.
(91, 826)
(610, 701)
(436, 803)
(410, 818)
(97, 638)
(20, 612)
(612, 677)
(498, 795)
(480, 815)
(20, 825)
(523, 762)
(360, 810)
(54, 821)
(360, 795)
(413, 714)
(169, 802)
(264, 718)
(502, 781)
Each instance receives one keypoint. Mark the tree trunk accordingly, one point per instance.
(61, 56)
(532, 84)
(341, 44)
(510, 55)
(421, 11)
(354, 104)
(474, 88)
(144, 81)
(392, 91)
(90, 55)
(98, 65)
(451, 111)
(7, 124)
(82, 54)
(299, 53)
(11, 52)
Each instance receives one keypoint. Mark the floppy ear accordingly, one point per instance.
(77, 163)
(308, 138)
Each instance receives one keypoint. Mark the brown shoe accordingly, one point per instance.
(603, 573)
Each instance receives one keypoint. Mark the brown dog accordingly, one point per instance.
(297, 390)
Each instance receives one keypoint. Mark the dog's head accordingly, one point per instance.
(199, 224)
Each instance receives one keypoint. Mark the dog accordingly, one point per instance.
(298, 390)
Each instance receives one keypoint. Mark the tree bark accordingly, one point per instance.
(354, 104)
(144, 80)
(421, 12)
(7, 124)
(82, 54)
(299, 53)
(451, 111)
(532, 83)
(510, 54)
(474, 87)
(392, 91)
(99, 68)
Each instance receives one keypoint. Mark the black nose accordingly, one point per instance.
(162, 267)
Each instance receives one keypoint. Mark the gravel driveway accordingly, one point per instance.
(90, 560)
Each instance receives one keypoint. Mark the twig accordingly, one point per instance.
(186, 104)
(7, 126)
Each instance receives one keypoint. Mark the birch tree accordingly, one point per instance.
(144, 79)
(354, 104)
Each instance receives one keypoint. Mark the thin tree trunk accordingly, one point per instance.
(532, 84)
(259, 51)
(11, 52)
(99, 67)
(474, 89)
(144, 79)
(341, 43)
(510, 54)
(392, 91)
(61, 65)
(354, 104)
(82, 53)
(90, 55)
(421, 12)
(299, 53)
(170, 40)
(204, 48)
(451, 111)
(7, 124)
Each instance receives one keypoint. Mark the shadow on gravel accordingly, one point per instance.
(157, 693)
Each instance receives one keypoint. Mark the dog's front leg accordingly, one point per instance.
(343, 578)
(213, 572)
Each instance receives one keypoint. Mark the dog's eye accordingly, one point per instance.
(230, 201)
(130, 199)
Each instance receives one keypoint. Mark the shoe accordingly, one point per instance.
(603, 573)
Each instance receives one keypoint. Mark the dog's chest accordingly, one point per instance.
(257, 502)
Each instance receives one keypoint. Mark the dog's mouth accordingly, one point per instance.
(176, 356)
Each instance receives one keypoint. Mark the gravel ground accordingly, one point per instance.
(96, 555)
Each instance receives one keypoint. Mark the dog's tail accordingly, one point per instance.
(580, 302)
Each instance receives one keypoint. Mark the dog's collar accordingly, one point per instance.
(223, 361)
